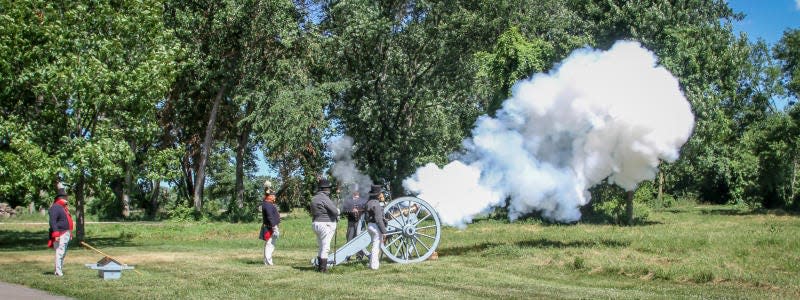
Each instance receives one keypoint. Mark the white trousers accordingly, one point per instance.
(375, 251)
(325, 232)
(61, 251)
(269, 248)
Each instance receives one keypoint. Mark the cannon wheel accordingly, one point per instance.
(413, 230)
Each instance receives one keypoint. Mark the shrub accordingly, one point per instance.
(182, 213)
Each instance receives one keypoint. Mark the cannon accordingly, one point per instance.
(413, 233)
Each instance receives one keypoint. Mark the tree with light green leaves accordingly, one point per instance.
(84, 79)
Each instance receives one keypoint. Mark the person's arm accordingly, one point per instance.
(333, 212)
(379, 220)
(382, 223)
(52, 221)
(274, 216)
(264, 215)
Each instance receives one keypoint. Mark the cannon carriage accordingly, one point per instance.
(413, 233)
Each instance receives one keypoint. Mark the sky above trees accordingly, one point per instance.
(766, 19)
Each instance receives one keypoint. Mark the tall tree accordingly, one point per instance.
(210, 34)
(787, 50)
(83, 63)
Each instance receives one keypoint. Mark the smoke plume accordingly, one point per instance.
(344, 168)
(600, 114)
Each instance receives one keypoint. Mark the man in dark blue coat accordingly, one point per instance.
(269, 225)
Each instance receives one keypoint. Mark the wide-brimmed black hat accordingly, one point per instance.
(62, 195)
(374, 190)
(323, 184)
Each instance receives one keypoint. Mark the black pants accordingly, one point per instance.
(352, 229)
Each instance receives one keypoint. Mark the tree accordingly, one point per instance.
(79, 65)
(513, 58)
(406, 72)
(209, 31)
(787, 50)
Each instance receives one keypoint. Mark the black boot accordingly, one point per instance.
(319, 263)
(323, 265)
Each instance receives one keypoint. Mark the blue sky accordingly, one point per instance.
(766, 19)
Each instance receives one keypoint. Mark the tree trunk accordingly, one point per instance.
(200, 176)
(794, 180)
(240, 173)
(117, 188)
(629, 208)
(661, 187)
(187, 178)
(154, 197)
(126, 191)
(241, 149)
(79, 204)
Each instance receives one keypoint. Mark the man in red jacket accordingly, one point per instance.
(269, 225)
(60, 229)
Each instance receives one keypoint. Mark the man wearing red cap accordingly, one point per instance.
(60, 229)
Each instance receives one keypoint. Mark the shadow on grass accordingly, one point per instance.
(740, 212)
(537, 243)
(545, 243)
(308, 268)
(461, 250)
(247, 261)
(11, 240)
(588, 218)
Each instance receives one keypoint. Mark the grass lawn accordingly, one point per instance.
(686, 252)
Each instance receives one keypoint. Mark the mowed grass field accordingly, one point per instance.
(685, 252)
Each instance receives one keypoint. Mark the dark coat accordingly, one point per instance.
(270, 215)
(323, 209)
(58, 219)
(350, 204)
(375, 215)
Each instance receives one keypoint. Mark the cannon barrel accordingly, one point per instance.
(405, 211)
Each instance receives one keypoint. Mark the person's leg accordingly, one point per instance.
(329, 229)
(351, 232)
(317, 227)
(61, 252)
(374, 258)
(269, 248)
(351, 229)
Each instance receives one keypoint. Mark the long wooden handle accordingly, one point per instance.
(109, 256)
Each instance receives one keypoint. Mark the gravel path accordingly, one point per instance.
(15, 291)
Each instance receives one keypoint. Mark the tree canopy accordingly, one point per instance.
(146, 104)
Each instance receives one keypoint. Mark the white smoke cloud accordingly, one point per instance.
(601, 114)
(344, 168)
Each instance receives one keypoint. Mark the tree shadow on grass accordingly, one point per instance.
(537, 243)
(546, 243)
(11, 240)
(587, 218)
(740, 212)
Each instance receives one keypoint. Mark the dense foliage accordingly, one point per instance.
(147, 104)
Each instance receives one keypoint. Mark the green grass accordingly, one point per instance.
(687, 252)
